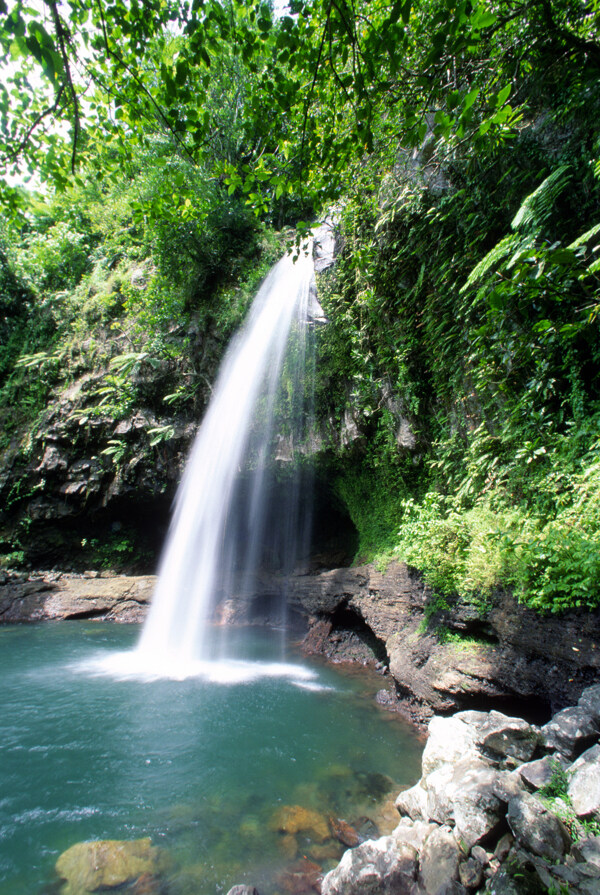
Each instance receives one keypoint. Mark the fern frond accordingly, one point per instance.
(525, 247)
(500, 250)
(585, 237)
(537, 206)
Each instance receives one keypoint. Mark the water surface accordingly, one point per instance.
(201, 766)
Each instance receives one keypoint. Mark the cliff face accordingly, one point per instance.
(85, 479)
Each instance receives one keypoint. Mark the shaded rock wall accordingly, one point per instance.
(507, 656)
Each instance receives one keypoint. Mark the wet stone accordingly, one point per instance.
(584, 785)
(536, 828)
(343, 832)
(539, 773)
(471, 873)
(570, 732)
(589, 701)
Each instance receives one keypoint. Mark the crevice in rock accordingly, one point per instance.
(87, 613)
(533, 709)
(349, 631)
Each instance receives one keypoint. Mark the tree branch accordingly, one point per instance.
(60, 36)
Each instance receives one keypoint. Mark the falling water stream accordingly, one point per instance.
(213, 523)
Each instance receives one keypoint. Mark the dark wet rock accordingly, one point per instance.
(502, 883)
(536, 828)
(110, 864)
(52, 461)
(377, 867)
(570, 732)
(480, 854)
(584, 783)
(471, 873)
(439, 860)
(522, 658)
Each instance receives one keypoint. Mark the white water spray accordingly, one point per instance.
(211, 525)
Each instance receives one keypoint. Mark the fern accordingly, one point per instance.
(500, 251)
(535, 209)
(525, 248)
(585, 237)
(537, 206)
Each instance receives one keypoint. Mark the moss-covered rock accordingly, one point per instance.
(110, 864)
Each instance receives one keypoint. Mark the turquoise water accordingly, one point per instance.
(200, 767)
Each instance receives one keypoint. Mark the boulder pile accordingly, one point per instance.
(502, 807)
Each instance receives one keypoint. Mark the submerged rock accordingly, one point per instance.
(343, 832)
(133, 866)
(294, 819)
(302, 878)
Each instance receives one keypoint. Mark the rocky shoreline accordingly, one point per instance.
(502, 807)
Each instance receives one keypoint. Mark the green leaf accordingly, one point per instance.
(470, 98)
(503, 95)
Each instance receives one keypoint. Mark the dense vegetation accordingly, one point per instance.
(459, 142)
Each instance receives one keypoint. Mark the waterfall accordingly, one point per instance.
(223, 525)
